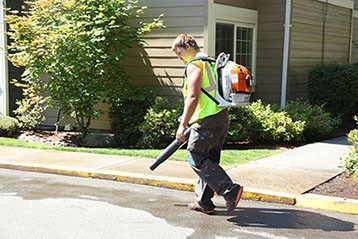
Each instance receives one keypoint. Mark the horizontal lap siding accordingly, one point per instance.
(307, 40)
(355, 41)
(155, 65)
(271, 16)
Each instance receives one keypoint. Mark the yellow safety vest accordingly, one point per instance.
(206, 106)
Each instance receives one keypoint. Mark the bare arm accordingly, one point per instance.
(194, 73)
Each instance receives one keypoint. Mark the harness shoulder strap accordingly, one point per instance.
(200, 58)
(207, 59)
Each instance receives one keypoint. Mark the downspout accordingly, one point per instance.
(4, 81)
(285, 53)
(351, 38)
(323, 50)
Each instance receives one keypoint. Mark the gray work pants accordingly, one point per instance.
(204, 146)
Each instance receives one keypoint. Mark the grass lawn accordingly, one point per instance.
(228, 157)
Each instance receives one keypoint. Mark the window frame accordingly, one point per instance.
(242, 25)
(239, 17)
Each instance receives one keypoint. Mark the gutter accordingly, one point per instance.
(285, 53)
(4, 79)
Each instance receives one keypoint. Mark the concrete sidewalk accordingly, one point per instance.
(281, 178)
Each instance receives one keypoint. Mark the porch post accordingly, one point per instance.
(4, 81)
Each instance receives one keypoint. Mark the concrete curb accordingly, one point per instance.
(327, 203)
(269, 196)
(306, 200)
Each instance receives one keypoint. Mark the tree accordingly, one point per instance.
(72, 51)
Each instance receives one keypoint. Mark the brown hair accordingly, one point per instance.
(184, 39)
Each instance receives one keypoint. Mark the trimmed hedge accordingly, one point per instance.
(336, 88)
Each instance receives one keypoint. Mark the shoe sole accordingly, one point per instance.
(238, 197)
(197, 209)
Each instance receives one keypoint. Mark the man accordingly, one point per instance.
(209, 125)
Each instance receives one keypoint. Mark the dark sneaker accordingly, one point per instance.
(196, 207)
(232, 203)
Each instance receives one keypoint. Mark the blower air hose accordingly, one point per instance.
(169, 150)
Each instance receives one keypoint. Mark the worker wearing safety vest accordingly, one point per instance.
(209, 125)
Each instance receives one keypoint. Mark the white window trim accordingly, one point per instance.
(341, 3)
(235, 24)
(240, 17)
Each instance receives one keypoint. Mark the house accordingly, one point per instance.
(279, 40)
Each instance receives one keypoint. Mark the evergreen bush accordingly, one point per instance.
(318, 122)
(160, 124)
(336, 88)
(8, 126)
(260, 123)
(127, 114)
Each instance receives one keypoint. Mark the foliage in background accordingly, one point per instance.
(160, 124)
(336, 88)
(78, 46)
(350, 163)
(8, 126)
(299, 121)
(260, 123)
(31, 108)
(318, 122)
(127, 114)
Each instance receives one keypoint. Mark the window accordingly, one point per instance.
(236, 41)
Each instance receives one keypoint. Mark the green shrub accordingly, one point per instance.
(336, 87)
(30, 111)
(127, 114)
(160, 125)
(259, 123)
(8, 126)
(244, 125)
(350, 163)
(318, 122)
(80, 47)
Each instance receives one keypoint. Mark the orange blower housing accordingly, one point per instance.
(240, 78)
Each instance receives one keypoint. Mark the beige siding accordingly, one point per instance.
(269, 49)
(250, 4)
(104, 121)
(155, 65)
(307, 42)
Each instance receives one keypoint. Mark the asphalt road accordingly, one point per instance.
(37, 205)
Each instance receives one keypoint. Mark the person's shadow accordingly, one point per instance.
(288, 219)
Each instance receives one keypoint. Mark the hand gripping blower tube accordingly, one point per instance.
(169, 150)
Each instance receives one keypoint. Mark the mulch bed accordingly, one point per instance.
(343, 186)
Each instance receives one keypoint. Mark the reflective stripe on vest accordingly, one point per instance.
(206, 106)
(211, 78)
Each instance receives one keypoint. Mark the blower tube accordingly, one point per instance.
(169, 150)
